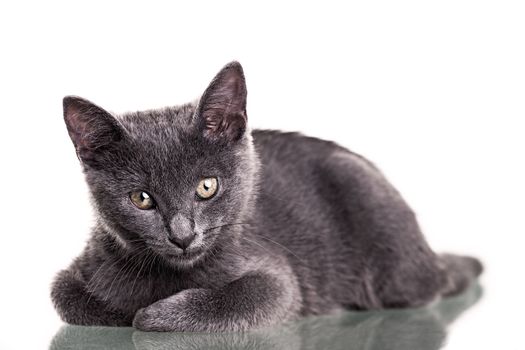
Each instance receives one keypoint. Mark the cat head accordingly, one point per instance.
(176, 179)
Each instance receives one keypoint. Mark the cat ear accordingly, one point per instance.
(91, 128)
(222, 108)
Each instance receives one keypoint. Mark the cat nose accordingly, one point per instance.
(181, 231)
(182, 242)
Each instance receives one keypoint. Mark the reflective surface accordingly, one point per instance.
(417, 329)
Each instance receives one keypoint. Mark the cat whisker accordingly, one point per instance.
(153, 261)
(232, 249)
(258, 244)
(148, 256)
(225, 225)
(127, 266)
(132, 267)
(283, 247)
(263, 237)
(97, 277)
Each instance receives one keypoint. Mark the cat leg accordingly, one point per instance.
(76, 306)
(254, 300)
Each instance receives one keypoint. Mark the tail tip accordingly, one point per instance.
(477, 266)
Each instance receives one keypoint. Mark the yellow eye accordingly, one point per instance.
(142, 200)
(207, 187)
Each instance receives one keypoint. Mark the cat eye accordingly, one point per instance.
(207, 187)
(142, 200)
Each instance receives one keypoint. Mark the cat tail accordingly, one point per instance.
(462, 272)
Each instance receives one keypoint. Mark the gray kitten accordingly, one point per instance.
(204, 225)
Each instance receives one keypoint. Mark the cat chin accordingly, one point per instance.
(184, 261)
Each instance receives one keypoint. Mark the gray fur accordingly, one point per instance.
(299, 226)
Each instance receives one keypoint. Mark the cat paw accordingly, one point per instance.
(146, 320)
(177, 313)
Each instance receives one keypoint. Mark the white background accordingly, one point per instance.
(432, 92)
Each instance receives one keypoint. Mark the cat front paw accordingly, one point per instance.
(177, 313)
(144, 320)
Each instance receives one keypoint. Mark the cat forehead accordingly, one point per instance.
(165, 124)
(167, 138)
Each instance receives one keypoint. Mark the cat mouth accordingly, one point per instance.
(191, 253)
(187, 255)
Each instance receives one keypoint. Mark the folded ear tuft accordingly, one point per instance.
(90, 127)
(222, 108)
